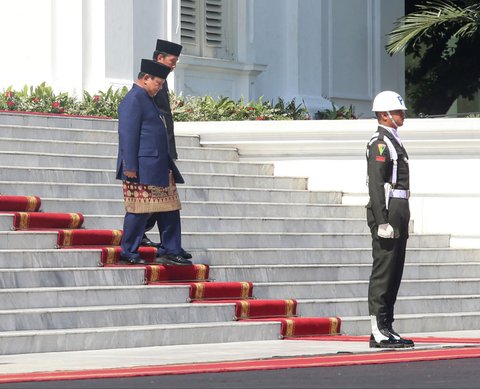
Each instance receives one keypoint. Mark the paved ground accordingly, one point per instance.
(451, 373)
(457, 373)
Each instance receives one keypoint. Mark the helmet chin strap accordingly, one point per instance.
(391, 118)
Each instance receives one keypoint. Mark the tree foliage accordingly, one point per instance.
(442, 39)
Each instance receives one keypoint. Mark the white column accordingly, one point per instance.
(291, 48)
(67, 45)
(94, 46)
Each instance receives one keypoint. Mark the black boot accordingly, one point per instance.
(381, 337)
(406, 342)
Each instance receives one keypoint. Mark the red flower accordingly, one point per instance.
(8, 94)
(36, 99)
(96, 98)
(56, 104)
(250, 108)
(10, 103)
(61, 110)
(260, 118)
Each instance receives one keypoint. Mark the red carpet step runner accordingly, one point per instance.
(40, 220)
(257, 309)
(111, 255)
(19, 203)
(171, 273)
(307, 326)
(71, 238)
(220, 291)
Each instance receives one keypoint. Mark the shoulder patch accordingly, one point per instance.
(381, 148)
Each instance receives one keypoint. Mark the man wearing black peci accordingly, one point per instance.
(166, 53)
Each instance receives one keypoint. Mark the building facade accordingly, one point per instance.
(315, 51)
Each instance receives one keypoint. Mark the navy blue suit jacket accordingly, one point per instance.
(143, 141)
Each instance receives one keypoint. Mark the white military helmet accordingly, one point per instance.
(388, 101)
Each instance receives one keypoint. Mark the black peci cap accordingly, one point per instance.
(169, 47)
(154, 68)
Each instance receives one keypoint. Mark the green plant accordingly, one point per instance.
(336, 113)
(38, 99)
(191, 108)
(102, 103)
(206, 108)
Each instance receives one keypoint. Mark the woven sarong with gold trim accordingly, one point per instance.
(140, 198)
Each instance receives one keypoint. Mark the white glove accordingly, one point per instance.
(385, 231)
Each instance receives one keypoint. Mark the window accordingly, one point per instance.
(203, 28)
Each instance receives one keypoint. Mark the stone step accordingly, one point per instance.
(113, 316)
(57, 277)
(47, 258)
(256, 239)
(77, 134)
(26, 159)
(405, 305)
(347, 289)
(57, 121)
(109, 149)
(99, 176)
(309, 255)
(334, 272)
(83, 296)
(211, 208)
(416, 323)
(28, 240)
(239, 224)
(22, 342)
(186, 192)
(225, 224)
(48, 240)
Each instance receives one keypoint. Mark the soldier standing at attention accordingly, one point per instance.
(388, 216)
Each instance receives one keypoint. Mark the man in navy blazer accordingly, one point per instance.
(166, 53)
(148, 172)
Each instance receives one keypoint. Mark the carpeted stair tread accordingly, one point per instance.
(260, 309)
(306, 326)
(155, 274)
(19, 203)
(246, 309)
(221, 290)
(89, 238)
(111, 255)
(44, 220)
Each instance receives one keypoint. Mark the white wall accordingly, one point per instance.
(303, 49)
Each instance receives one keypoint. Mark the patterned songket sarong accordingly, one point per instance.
(140, 198)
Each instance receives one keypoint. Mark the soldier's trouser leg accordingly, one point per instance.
(388, 260)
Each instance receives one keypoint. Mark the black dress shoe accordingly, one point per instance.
(391, 342)
(170, 259)
(133, 260)
(406, 342)
(148, 243)
(185, 255)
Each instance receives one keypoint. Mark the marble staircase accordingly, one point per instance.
(237, 217)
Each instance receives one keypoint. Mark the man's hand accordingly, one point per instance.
(385, 231)
(130, 173)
